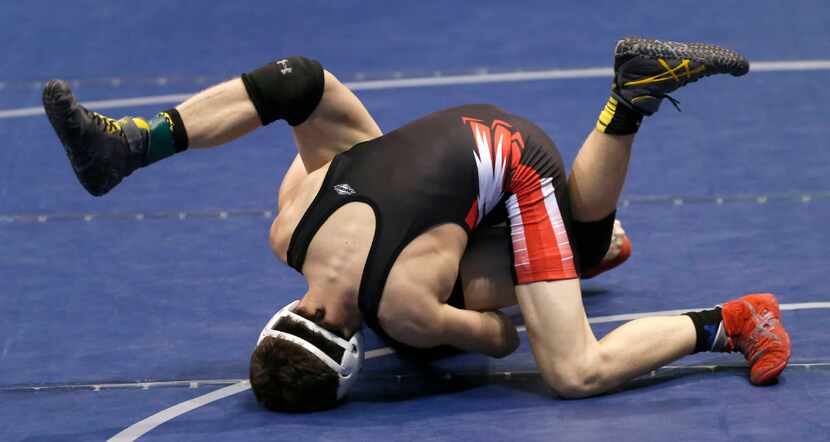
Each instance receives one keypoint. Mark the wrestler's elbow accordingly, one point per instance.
(414, 327)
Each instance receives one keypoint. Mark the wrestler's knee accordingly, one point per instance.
(289, 89)
(573, 379)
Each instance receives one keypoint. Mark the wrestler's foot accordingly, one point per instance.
(618, 252)
(102, 150)
(753, 327)
(646, 70)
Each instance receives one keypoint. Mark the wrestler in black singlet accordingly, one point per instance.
(419, 176)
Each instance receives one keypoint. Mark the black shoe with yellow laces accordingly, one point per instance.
(102, 150)
(645, 70)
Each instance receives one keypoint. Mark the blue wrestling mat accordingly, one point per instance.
(134, 315)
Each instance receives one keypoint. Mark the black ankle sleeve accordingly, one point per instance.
(180, 140)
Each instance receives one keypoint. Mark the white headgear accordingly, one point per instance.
(349, 365)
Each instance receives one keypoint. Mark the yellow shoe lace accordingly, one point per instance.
(682, 74)
(111, 126)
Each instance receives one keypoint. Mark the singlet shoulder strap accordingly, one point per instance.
(325, 203)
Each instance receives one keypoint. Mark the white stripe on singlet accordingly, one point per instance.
(555, 216)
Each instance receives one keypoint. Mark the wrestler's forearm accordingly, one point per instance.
(491, 333)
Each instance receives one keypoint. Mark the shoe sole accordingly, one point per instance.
(718, 60)
(770, 375)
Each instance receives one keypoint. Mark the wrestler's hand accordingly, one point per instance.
(508, 340)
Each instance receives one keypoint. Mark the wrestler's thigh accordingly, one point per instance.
(339, 122)
(558, 330)
(486, 270)
(294, 176)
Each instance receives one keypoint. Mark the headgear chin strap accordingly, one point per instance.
(349, 365)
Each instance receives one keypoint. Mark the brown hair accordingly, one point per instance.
(287, 377)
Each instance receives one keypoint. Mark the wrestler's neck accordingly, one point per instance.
(335, 310)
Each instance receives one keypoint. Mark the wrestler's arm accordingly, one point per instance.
(422, 320)
(490, 332)
(487, 283)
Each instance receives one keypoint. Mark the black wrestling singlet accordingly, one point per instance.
(466, 165)
(414, 178)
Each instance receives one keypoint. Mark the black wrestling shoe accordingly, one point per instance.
(102, 150)
(646, 70)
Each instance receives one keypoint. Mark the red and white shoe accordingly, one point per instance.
(618, 252)
(753, 327)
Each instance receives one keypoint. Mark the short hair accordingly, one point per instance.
(286, 377)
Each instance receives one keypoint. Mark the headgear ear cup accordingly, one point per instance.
(351, 364)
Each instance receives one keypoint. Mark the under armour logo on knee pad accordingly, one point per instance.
(285, 69)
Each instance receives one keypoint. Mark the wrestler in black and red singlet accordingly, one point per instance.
(453, 166)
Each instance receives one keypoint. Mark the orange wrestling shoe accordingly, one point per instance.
(618, 252)
(753, 327)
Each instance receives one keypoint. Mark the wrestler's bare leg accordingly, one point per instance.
(219, 114)
(570, 358)
(224, 112)
(598, 174)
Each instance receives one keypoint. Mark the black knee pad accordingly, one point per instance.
(593, 239)
(290, 89)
